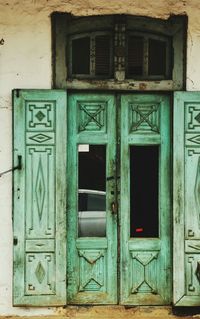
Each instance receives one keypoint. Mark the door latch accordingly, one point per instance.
(114, 208)
(19, 166)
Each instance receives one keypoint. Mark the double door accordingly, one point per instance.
(118, 199)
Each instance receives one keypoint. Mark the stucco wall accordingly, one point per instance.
(25, 62)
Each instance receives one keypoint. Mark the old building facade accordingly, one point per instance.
(100, 119)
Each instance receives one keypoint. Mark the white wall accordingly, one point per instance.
(25, 62)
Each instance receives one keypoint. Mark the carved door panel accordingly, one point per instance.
(145, 200)
(186, 198)
(39, 196)
(92, 226)
(134, 268)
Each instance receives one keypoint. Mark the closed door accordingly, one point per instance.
(118, 199)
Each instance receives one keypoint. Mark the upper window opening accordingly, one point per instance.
(90, 55)
(148, 57)
(119, 49)
(81, 62)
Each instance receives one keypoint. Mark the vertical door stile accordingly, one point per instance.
(165, 218)
(126, 275)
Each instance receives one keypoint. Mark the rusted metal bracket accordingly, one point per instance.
(19, 166)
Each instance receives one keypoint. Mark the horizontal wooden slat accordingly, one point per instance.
(143, 244)
(44, 245)
(143, 139)
(91, 243)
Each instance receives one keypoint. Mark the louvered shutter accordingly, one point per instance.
(39, 197)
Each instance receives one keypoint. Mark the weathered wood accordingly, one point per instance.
(92, 262)
(39, 197)
(186, 198)
(136, 251)
(128, 85)
(174, 29)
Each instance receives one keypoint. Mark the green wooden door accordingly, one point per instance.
(92, 259)
(39, 197)
(186, 199)
(111, 257)
(145, 266)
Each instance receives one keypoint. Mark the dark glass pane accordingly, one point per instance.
(157, 57)
(92, 192)
(135, 55)
(144, 185)
(102, 55)
(81, 56)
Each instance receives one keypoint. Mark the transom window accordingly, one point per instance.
(118, 52)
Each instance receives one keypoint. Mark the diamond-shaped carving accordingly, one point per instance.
(40, 189)
(40, 138)
(40, 272)
(197, 117)
(40, 116)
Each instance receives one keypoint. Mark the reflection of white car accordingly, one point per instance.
(92, 213)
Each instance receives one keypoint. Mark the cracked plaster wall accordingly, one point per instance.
(25, 62)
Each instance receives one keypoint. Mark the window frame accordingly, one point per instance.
(150, 36)
(64, 25)
(92, 36)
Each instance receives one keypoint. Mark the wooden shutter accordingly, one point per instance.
(187, 199)
(39, 197)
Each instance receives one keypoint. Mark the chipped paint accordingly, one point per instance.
(25, 61)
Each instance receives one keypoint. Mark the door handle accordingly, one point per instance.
(113, 208)
(19, 166)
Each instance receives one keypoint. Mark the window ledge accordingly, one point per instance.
(128, 85)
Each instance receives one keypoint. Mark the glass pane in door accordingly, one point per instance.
(144, 189)
(92, 191)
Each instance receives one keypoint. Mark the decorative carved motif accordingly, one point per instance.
(197, 118)
(144, 117)
(191, 286)
(197, 190)
(92, 268)
(144, 272)
(119, 50)
(40, 197)
(190, 233)
(193, 117)
(40, 189)
(197, 272)
(40, 138)
(40, 272)
(39, 275)
(193, 152)
(92, 116)
(195, 139)
(196, 247)
(40, 116)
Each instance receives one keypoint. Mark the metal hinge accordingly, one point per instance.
(19, 166)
